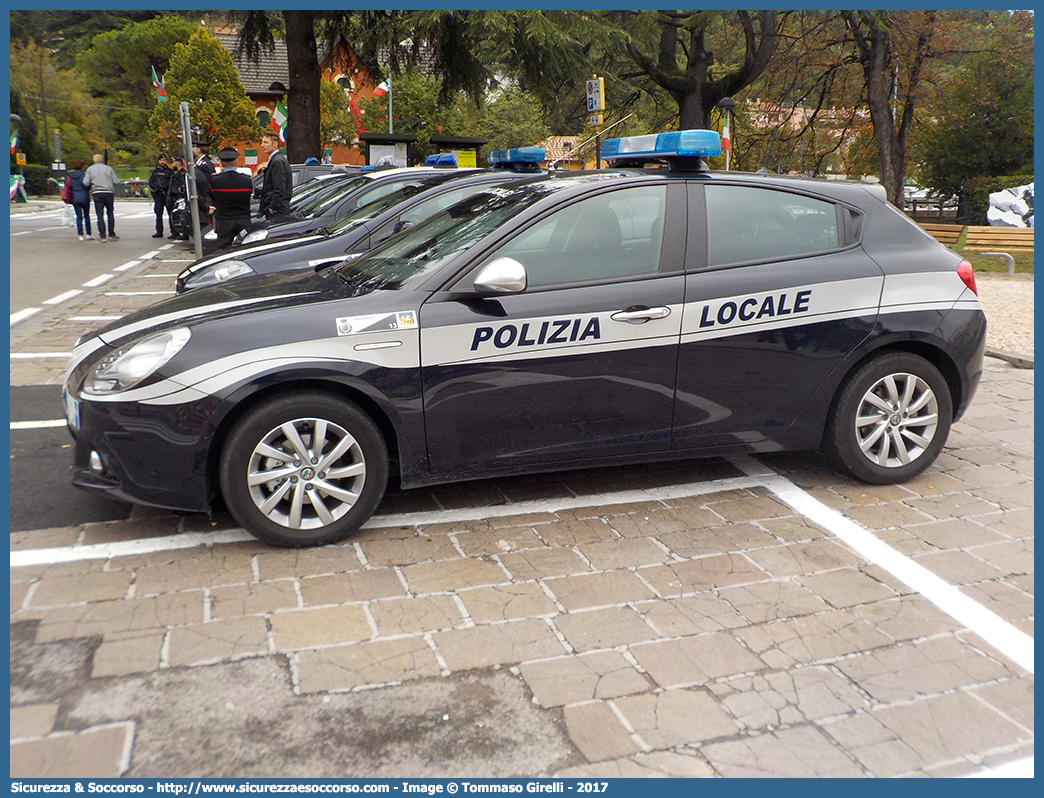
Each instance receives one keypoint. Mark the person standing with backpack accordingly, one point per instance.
(159, 187)
(101, 179)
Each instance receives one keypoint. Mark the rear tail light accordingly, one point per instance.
(967, 275)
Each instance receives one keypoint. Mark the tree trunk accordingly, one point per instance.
(891, 152)
(690, 84)
(691, 113)
(302, 127)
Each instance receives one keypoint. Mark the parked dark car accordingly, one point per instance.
(364, 228)
(587, 319)
(358, 190)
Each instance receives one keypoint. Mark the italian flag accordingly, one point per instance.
(278, 123)
(726, 145)
(381, 90)
(250, 158)
(14, 142)
(157, 84)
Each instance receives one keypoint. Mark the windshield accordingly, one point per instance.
(328, 195)
(428, 245)
(375, 208)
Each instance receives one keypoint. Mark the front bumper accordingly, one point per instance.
(146, 455)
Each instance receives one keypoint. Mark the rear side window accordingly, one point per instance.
(746, 223)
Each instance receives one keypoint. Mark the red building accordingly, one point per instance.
(267, 82)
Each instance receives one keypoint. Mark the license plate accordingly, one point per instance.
(72, 409)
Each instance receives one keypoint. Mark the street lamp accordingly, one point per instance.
(726, 104)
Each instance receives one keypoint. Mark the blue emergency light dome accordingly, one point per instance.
(662, 146)
(441, 159)
(517, 155)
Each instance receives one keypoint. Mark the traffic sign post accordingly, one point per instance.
(595, 107)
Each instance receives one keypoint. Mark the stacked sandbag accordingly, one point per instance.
(1012, 207)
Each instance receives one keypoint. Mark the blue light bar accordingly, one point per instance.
(441, 159)
(680, 143)
(516, 155)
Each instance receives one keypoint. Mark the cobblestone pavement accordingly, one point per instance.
(707, 618)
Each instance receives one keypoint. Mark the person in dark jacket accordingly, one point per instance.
(278, 181)
(81, 200)
(159, 187)
(231, 192)
(178, 191)
(199, 149)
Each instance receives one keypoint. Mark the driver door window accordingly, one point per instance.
(611, 235)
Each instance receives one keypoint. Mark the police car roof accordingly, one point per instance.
(854, 192)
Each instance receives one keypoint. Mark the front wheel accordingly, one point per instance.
(891, 419)
(304, 470)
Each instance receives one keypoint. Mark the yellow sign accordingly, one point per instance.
(20, 158)
(466, 159)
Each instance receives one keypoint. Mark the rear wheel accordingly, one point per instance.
(891, 419)
(304, 470)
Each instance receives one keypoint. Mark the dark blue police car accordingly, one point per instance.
(600, 318)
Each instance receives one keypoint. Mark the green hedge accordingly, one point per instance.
(977, 192)
(38, 181)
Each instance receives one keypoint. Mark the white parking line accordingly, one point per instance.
(101, 551)
(98, 280)
(128, 265)
(38, 424)
(23, 314)
(149, 255)
(166, 246)
(139, 293)
(95, 318)
(1019, 769)
(55, 300)
(35, 355)
(1005, 637)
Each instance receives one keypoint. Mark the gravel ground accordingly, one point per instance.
(1008, 302)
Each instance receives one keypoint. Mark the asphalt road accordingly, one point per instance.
(47, 259)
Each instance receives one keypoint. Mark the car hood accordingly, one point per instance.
(245, 295)
(246, 250)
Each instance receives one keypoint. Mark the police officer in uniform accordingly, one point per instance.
(159, 187)
(177, 191)
(199, 149)
(231, 192)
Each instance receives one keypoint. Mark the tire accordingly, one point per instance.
(891, 419)
(307, 504)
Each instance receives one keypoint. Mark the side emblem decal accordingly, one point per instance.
(377, 322)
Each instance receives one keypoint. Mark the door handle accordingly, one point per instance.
(640, 315)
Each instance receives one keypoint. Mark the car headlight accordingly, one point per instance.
(217, 273)
(256, 235)
(128, 366)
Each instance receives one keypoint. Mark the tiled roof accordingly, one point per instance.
(272, 67)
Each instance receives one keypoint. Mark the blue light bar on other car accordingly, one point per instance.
(516, 155)
(676, 144)
(441, 159)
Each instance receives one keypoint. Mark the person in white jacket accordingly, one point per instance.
(101, 179)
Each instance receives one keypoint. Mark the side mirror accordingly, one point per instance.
(401, 225)
(502, 276)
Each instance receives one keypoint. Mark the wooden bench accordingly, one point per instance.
(1011, 239)
(943, 233)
